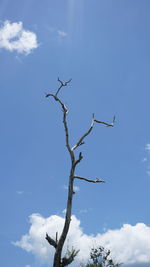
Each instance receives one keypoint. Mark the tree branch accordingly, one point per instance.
(89, 180)
(51, 241)
(62, 84)
(56, 238)
(57, 99)
(79, 159)
(80, 142)
(105, 123)
(65, 112)
(69, 257)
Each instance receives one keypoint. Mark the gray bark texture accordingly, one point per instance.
(58, 244)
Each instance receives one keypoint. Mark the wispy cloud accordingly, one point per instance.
(144, 159)
(75, 188)
(147, 158)
(147, 147)
(62, 34)
(83, 211)
(13, 37)
(129, 244)
(64, 211)
(65, 187)
(148, 172)
(20, 192)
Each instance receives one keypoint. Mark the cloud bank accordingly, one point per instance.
(13, 37)
(129, 244)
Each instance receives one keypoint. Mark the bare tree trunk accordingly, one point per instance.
(58, 252)
(58, 244)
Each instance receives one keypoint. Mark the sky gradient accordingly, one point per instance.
(104, 47)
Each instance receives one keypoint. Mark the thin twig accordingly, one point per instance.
(90, 180)
(79, 158)
(105, 123)
(62, 84)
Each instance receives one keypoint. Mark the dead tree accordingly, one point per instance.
(58, 244)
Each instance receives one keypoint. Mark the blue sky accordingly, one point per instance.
(104, 47)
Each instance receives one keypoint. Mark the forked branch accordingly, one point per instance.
(51, 241)
(89, 180)
(81, 142)
(65, 112)
(62, 84)
(79, 159)
(60, 102)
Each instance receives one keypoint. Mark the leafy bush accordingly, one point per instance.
(100, 257)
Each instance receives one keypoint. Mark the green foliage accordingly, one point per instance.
(100, 257)
(69, 257)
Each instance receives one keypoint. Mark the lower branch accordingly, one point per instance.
(79, 159)
(69, 257)
(90, 180)
(51, 241)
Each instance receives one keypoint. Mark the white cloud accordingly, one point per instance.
(75, 188)
(129, 244)
(62, 33)
(64, 211)
(147, 147)
(13, 37)
(144, 159)
(27, 265)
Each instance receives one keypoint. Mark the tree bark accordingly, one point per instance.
(58, 252)
(58, 244)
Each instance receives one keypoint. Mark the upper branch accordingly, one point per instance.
(105, 123)
(90, 180)
(57, 99)
(61, 85)
(65, 111)
(80, 142)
